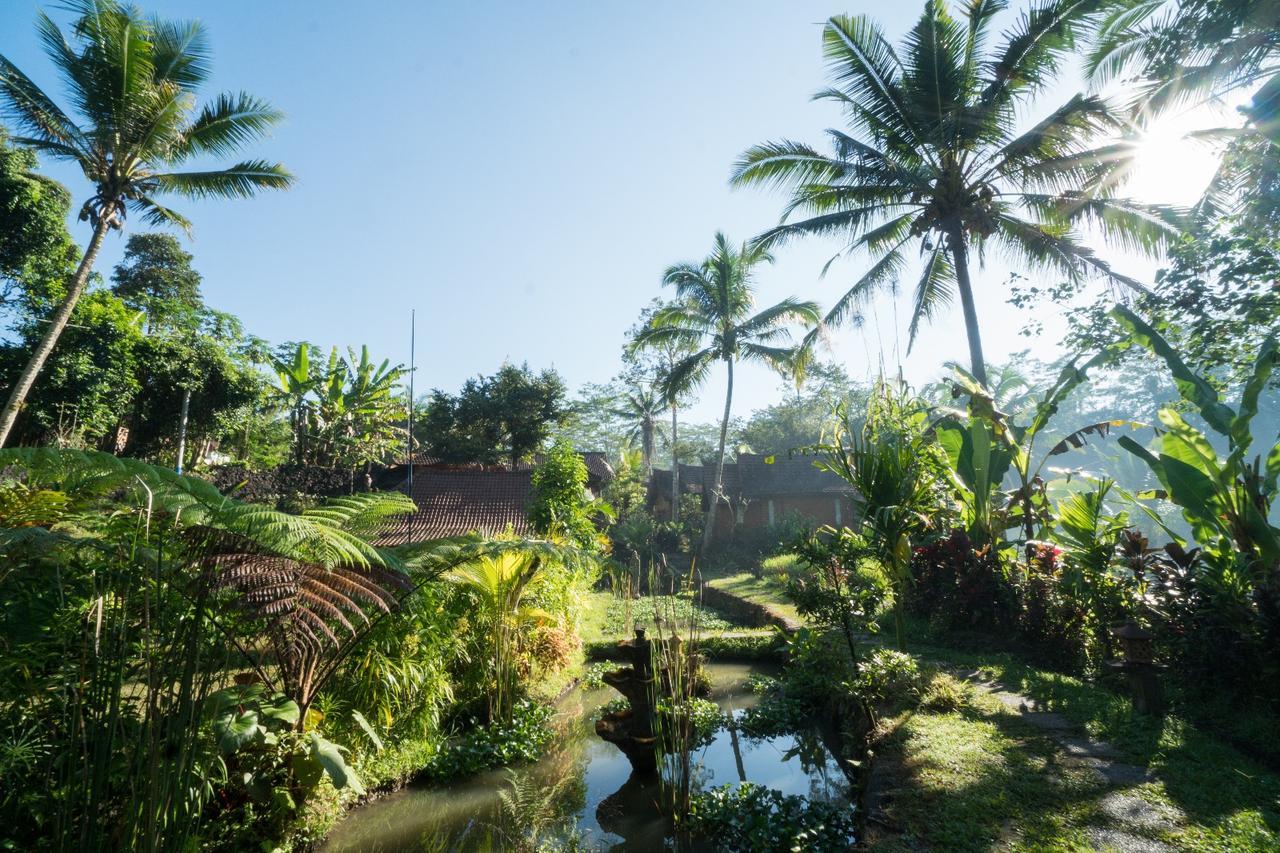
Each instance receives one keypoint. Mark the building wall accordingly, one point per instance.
(821, 509)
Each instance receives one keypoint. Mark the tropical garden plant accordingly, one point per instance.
(886, 456)
(133, 83)
(1226, 499)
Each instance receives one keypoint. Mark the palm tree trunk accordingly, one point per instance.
(675, 469)
(709, 530)
(960, 257)
(646, 444)
(56, 324)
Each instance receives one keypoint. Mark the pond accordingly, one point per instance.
(582, 794)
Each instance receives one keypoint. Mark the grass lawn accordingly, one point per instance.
(980, 776)
(604, 616)
(766, 591)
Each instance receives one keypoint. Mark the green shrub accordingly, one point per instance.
(944, 694)
(887, 674)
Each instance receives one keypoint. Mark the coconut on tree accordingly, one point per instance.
(132, 84)
(936, 162)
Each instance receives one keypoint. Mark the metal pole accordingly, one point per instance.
(182, 428)
(413, 334)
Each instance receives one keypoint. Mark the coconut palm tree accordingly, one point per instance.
(714, 318)
(132, 83)
(933, 158)
(667, 356)
(641, 407)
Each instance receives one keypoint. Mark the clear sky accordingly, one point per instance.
(521, 173)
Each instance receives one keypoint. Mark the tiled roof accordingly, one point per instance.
(691, 477)
(598, 464)
(454, 502)
(785, 475)
(752, 477)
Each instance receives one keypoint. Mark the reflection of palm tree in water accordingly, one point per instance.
(737, 749)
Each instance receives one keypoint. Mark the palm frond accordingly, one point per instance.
(935, 290)
(1056, 247)
(242, 180)
(884, 271)
(1133, 225)
(229, 123)
(784, 163)
(861, 60)
(181, 52)
(33, 112)
(1034, 47)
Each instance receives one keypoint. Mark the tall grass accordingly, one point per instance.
(676, 665)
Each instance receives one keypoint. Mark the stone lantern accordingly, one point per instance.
(1137, 645)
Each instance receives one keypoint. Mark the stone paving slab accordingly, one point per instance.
(1115, 841)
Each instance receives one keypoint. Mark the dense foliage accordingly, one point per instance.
(505, 417)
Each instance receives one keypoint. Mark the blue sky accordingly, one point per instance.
(521, 173)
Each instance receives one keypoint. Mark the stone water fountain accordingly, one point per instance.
(631, 729)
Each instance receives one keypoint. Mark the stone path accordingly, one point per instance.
(1127, 814)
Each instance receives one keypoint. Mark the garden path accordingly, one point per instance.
(1127, 820)
(1003, 773)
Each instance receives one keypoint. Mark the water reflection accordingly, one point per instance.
(584, 790)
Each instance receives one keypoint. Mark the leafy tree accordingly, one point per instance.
(91, 383)
(156, 278)
(806, 414)
(133, 83)
(590, 421)
(212, 378)
(36, 252)
(714, 319)
(1217, 301)
(933, 157)
(510, 415)
(560, 505)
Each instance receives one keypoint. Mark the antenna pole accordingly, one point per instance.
(413, 334)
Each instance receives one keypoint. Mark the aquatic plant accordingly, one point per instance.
(750, 817)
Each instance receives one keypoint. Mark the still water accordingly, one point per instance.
(582, 794)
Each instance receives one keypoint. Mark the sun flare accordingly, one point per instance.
(1174, 167)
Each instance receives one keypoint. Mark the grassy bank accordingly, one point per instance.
(979, 775)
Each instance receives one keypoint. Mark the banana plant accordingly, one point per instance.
(1225, 499)
(985, 446)
(296, 384)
